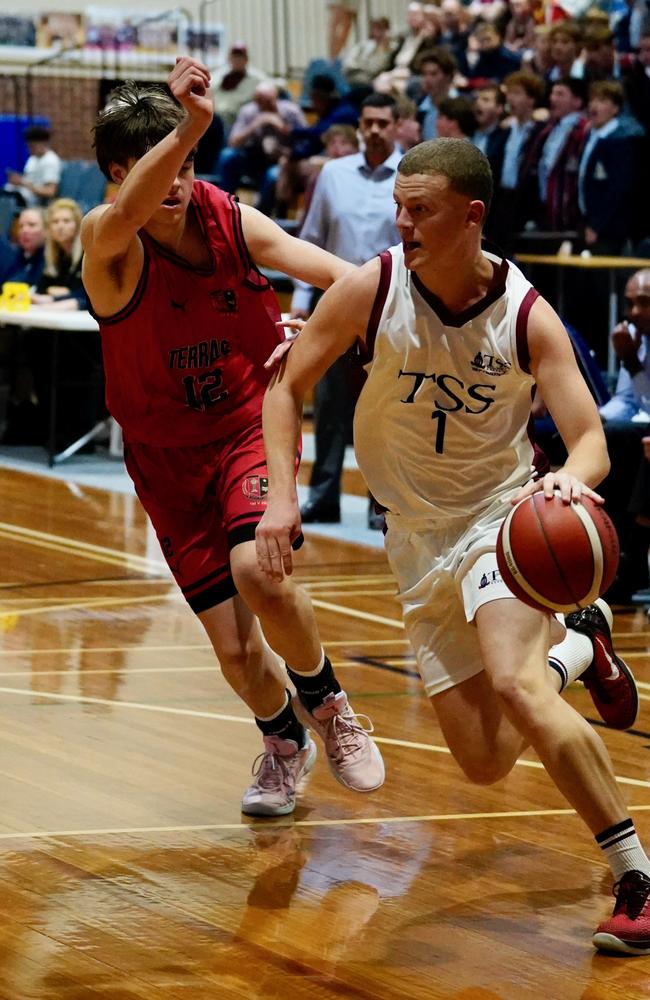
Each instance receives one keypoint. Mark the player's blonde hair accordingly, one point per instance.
(466, 167)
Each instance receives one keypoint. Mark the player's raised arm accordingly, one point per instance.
(570, 403)
(108, 232)
(340, 318)
(270, 246)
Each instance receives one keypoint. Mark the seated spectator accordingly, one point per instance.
(235, 86)
(520, 29)
(25, 262)
(626, 419)
(437, 69)
(257, 140)
(410, 47)
(486, 57)
(489, 137)
(330, 109)
(629, 24)
(60, 286)
(39, 180)
(454, 27)
(456, 118)
(366, 60)
(565, 40)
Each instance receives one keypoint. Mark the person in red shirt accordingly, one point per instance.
(187, 321)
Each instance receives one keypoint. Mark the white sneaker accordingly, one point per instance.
(277, 772)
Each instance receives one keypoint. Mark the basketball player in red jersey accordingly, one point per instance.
(455, 340)
(187, 321)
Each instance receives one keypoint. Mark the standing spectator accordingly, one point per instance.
(352, 215)
(409, 133)
(41, 174)
(602, 61)
(339, 140)
(520, 29)
(366, 60)
(235, 86)
(514, 202)
(60, 286)
(489, 137)
(636, 81)
(456, 118)
(607, 173)
(257, 140)
(538, 60)
(436, 69)
(555, 156)
(565, 40)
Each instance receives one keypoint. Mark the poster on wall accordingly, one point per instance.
(113, 28)
(15, 30)
(59, 29)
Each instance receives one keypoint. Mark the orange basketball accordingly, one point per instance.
(556, 556)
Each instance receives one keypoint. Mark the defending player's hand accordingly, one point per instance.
(189, 82)
(569, 487)
(294, 326)
(279, 527)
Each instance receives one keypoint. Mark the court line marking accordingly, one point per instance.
(181, 649)
(18, 533)
(126, 671)
(289, 822)
(356, 613)
(92, 604)
(71, 550)
(221, 717)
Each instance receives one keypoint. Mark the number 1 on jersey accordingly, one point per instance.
(441, 417)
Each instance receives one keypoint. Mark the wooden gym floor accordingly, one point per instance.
(127, 869)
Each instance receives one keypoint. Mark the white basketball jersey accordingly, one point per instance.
(441, 425)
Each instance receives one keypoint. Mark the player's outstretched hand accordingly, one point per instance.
(569, 487)
(294, 327)
(279, 527)
(189, 82)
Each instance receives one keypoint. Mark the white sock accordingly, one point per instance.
(623, 850)
(571, 657)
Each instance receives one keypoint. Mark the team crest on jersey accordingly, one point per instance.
(489, 364)
(255, 488)
(224, 300)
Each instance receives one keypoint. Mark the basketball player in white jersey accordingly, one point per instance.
(455, 339)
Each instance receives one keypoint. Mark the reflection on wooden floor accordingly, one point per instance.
(128, 871)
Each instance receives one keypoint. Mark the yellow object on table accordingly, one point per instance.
(15, 296)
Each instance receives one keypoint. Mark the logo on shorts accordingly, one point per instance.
(489, 578)
(255, 488)
(489, 364)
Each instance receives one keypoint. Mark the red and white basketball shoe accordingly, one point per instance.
(608, 678)
(628, 929)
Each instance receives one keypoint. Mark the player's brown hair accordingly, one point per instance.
(133, 121)
(460, 161)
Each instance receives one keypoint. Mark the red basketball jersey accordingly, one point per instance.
(184, 359)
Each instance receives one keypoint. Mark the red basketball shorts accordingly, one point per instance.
(202, 502)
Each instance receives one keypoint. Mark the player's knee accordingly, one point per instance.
(484, 770)
(521, 694)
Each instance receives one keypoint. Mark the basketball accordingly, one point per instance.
(556, 556)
